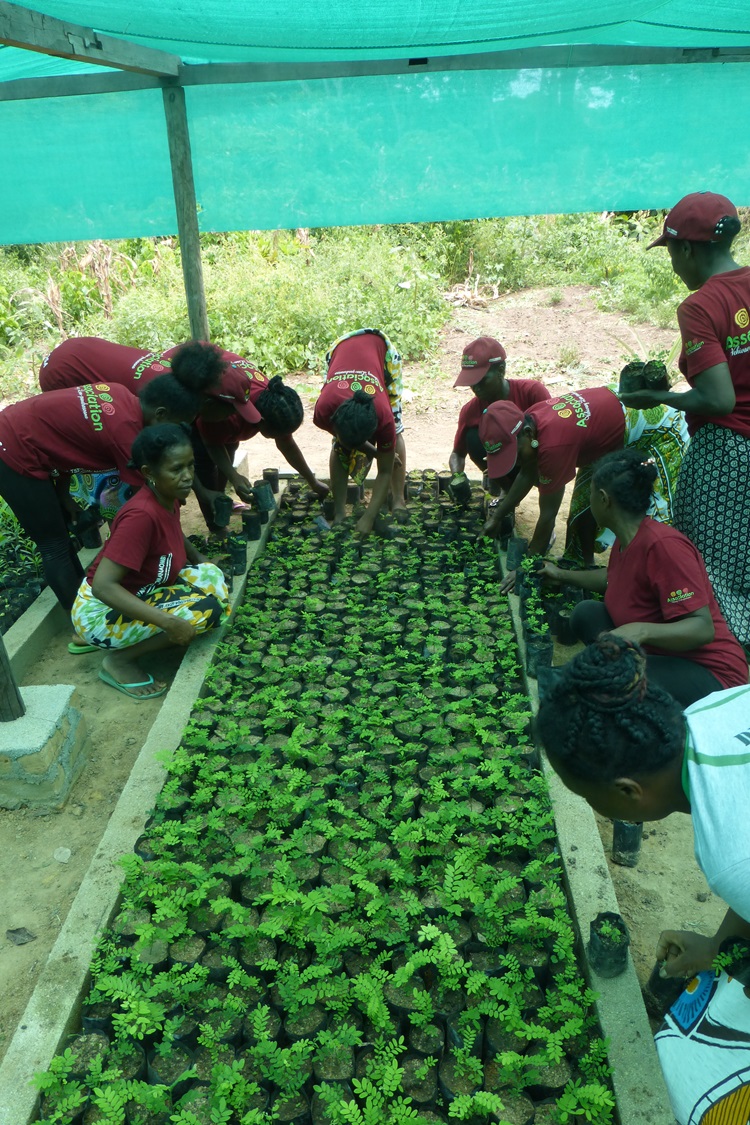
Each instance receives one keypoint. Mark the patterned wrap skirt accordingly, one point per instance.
(199, 596)
(660, 432)
(712, 507)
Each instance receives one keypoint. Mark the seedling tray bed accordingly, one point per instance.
(348, 903)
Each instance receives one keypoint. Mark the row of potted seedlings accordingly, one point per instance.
(347, 905)
(20, 570)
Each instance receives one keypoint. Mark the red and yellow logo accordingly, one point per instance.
(742, 318)
(682, 595)
(370, 390)
(101, 386)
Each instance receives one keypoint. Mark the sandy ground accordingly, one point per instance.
(567, 344)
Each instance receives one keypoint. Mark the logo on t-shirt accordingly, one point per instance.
(573, 403)
(742, 318)
(693, 346)
(91, 405)
(162, 573)
(683, 595)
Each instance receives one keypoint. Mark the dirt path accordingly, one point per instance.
(568, 344)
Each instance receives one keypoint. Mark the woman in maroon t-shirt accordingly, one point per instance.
(656, 590)
(79, 428)
(712, 505)
(140, 595)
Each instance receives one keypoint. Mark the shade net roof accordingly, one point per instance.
(326, 112)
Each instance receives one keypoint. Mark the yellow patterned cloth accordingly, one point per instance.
(661, 432)
(199, 595)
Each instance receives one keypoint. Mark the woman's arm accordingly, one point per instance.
(294, 456)
(549, 506)
(192, 553)
(107, 587)
(522, 485)
(457, 462)
(385, 462)
(686, 633)
(595, 580)
(220, 457)
(712, 394)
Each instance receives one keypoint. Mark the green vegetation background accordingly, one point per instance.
(281, 297)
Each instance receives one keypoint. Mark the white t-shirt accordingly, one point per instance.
(717, 759)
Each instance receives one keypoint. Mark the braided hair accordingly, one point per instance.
(627, 475)
(281, 407)
(601, 719)
(153, 444)
(198, 366)
(356, 420)
(181, 403)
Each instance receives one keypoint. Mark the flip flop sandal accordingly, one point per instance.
(78, 649)
(125, 688)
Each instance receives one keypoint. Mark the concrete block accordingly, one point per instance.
(42, 753)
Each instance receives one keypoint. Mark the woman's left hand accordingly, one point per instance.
(243, 488)
(641, 400)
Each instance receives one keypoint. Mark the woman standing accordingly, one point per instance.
(628, 749)
(80, 428)
(360, 404)
(712, 505)
(656, 590)
(556, 438)
(139, 595)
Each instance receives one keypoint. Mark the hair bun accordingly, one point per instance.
(610, 672)
(276, 385)
(362, 397)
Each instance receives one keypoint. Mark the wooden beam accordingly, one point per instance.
(187, 209)
(34, 31)
(218, 74)
(11, 705)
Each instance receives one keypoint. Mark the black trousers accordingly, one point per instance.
(35, 505)
(685, 680)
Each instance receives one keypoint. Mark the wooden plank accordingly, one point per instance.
(34, 31)
(217, 74)
(187, 209)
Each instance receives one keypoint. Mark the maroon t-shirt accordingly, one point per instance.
(660, 576)
(88, 359)
(358, 364)
(573, 430)
(85, 428)
(523, 392)
(148, 540)
(715, 327)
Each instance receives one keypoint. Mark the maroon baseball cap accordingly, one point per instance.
(697, 218)
(498, 427)
(234, 388)
(477, 359)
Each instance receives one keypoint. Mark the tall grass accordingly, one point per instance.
(281, 297)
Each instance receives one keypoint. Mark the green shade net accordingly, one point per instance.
(384, 148)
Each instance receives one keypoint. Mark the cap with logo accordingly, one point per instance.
(698, 217)
(498, 427)
(234, 388)
(477, 359)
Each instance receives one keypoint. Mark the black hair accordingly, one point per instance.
(166, 391)
(627, 475)
(601, 719)
(724, 234)
(356, 420)
(153, 444)
(280, 407)
(198, 366)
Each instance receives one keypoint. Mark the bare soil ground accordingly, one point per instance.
(559, 337)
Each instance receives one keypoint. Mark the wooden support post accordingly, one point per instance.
(187, 209)
(11, 704)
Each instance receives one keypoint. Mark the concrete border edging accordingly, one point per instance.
(55, 1002)
(637, 1079)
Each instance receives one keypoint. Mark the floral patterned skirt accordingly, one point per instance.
(199, 596)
